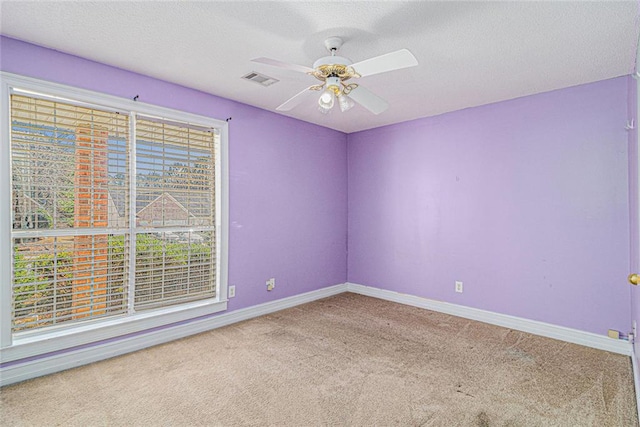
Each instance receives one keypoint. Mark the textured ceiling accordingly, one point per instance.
(470, 53)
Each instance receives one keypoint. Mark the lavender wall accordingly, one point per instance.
(634, 203)
(286, 218)
(525, 201)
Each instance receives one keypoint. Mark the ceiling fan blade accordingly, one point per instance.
(368, 100)
(285, 65)
(388, 62)
(295, 99)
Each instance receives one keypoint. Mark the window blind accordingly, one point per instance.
(70, 178)
(96, 234)
(175, 213)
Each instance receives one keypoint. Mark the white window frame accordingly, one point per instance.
(18, 346)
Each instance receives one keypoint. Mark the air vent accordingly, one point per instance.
(261, 79)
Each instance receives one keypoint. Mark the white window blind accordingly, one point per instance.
(175, 212)
(92, 240)
(69, 168)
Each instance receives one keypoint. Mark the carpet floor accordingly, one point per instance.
(344, 360)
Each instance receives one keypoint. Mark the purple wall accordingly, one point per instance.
(632, 114)
(286, 218)
(525, 201)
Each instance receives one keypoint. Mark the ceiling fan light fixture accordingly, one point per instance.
(324, 110)
(345, 102)
(326, 100)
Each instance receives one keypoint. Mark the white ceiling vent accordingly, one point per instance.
(261, 79)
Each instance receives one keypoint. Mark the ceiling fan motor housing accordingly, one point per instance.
(333, 66)
(332, 60)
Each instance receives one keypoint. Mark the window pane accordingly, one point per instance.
(175, 175)
(69, 165)
(70, 278)
(69, 169)
(174, 267)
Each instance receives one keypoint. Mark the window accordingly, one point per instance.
(116, 213)
(175, 195)
(69, 177)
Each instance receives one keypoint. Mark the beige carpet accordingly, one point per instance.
(345, 360)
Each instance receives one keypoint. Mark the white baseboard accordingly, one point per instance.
(575, 336)
(35, 367)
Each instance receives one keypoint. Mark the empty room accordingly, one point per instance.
(345, 213)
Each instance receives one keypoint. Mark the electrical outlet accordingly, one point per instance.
(458, 287)
(271, 283)
(232, 291)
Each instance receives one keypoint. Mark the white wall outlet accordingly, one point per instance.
(232, 291)
(458, 286)
(271, 283)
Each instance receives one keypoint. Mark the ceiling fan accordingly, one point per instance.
(335, 73)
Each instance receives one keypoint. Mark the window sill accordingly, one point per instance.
(33, 344)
